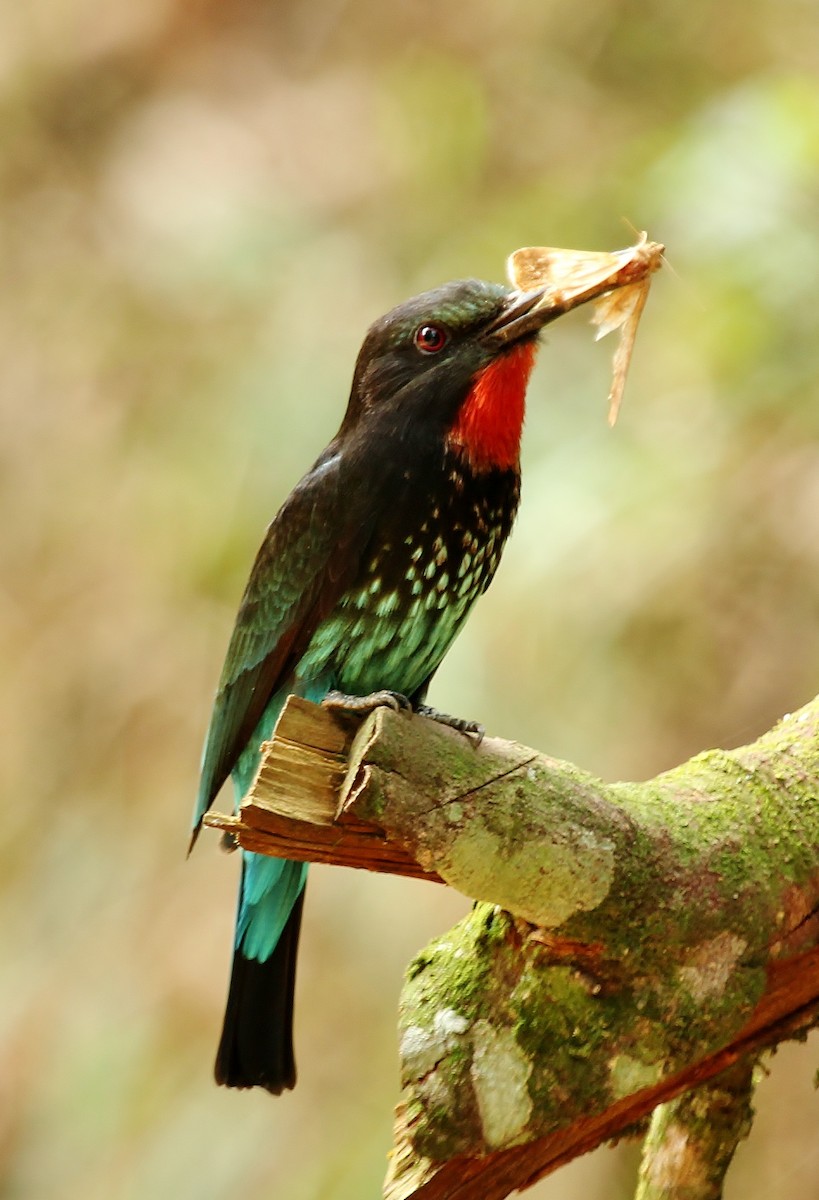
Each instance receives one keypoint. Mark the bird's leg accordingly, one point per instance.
(469, 728)
(341, 702)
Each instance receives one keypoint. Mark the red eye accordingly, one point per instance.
(429, 339)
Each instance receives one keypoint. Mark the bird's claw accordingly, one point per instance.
(471, 729)
(341, 702)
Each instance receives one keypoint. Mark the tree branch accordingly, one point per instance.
(691, 1141)
(638, 939)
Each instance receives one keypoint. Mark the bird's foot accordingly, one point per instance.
(341, 702)
(472, 729)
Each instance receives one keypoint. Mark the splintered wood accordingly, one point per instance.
(292, 809)
(618, 281)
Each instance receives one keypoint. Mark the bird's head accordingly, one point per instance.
(451, 364)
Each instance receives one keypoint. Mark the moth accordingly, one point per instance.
(618, 282)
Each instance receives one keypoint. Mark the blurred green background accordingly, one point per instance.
(202, 207)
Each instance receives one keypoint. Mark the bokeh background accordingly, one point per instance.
(202, 207)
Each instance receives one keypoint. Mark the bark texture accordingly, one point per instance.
(691, 1140)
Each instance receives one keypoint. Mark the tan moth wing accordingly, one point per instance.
(621, 310)
(564, 273)
(618, 281)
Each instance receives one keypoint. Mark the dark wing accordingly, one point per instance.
(310, 554)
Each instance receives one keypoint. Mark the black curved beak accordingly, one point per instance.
(524, 315)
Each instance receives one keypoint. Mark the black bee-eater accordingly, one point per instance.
(361, 583)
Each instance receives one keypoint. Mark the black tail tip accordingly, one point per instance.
(228, 1072)
(256, 1047)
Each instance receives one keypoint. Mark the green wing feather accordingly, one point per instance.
(310, 553)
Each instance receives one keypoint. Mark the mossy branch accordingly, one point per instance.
(636, 940)
(691, 1140)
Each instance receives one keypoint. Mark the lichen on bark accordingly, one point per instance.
(645, 918)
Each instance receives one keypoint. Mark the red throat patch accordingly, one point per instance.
(489, 423)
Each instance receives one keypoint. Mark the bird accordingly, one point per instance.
(360, 585)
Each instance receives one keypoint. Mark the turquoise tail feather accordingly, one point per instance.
(270, 887)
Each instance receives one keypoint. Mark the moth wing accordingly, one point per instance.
(613, 309)
(628, 332)
(568, 271)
